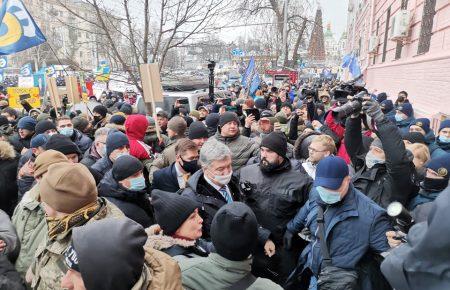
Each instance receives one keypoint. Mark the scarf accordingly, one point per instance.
(57, 226)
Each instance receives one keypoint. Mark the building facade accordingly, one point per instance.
(396, 54)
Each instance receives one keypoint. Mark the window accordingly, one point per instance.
(386, 32)
(398, 49)
(429, 9)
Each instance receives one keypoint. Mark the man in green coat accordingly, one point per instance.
(230, 267)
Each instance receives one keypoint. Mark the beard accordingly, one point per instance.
(267, 166)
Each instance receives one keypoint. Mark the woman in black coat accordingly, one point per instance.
(8, 177)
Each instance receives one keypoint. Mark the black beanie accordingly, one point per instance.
(234, 231)
(117, 243)
(125, 166)
(117, 119)
(414, 137)
(115, 140)
(101, 110)
(171, 210)
(62, 144)
(228, 117)
(197, 130)
(126, 109)
(212, 120)
(276, 142)
(43, 126)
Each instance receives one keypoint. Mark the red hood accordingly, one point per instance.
(135, 127)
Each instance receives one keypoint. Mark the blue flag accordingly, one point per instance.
(18, 31)
(26, 70)
(256, 81)
(354, 68)
(3, 62)
(246, 77)
(346, 60)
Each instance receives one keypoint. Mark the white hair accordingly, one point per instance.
(213, 150)
(101, 132)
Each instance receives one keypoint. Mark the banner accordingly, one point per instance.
(18, 31)
(17, 94)
(26, 70)
(3, 62)
(39, 82)
(26, 82)
(102, 72)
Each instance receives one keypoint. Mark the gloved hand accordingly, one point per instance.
(287, 240)
(373, 110)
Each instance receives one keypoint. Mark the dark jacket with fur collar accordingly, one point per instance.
(8, 186)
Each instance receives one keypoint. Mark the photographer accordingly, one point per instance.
(423, 261)
(383, 171)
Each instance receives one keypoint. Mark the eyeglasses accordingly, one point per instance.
(315, 150)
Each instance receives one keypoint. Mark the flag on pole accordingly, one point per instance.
(251, 79)
(26, 70)
(18, 31)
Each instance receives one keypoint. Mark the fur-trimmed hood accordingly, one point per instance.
(158, 241)
(302, 143)
(6, 151)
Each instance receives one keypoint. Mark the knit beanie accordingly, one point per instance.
(276, 142)
(171, 210)
(195, 114)
(377, 143)
(126, 109)
(234, 231)
(387, 106)
(38, 141)
(101, 110)
(125, 166)
(27, 123)
(381, 97)
(406, 109)
(117, 119)
(414, 137)
(115, 140)
(43, 126)
(260, 103)
(178, 125)
(197, 130)
(151, 121)
(440, 165)
(287, 105)
(282, 118)
(423, 123)
(228, 117)
(97, 243)
(444, 124)
(45, 159)
(68, 187)
(62, 144)
(43, 116)
(212, 120)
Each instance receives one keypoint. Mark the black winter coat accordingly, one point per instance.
(19, 143)
(383, 183)
(83, 142)
(8, 177)
(90, 156)
(134, 204)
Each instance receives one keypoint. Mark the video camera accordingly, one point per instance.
(352, 107)
(402, 218)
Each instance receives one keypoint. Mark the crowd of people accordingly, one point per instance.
(290, 189)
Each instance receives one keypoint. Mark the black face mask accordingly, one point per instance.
(434, 185)
(190, 166)
(97, 118)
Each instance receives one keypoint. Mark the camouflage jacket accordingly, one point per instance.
(47, 269)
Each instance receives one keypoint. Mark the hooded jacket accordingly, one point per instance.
(134, 204)
(83, 142)
(135, 128)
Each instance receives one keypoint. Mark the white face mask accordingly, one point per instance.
(223, 179)
(372, 160)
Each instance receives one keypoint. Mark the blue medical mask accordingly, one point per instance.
(328, 196)
(372, 160)
(66, 131)
(399, 117)
(137, 183)
(444, 139)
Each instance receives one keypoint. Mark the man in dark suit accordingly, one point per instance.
(174, 177)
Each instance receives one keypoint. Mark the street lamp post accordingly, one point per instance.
(211, 66)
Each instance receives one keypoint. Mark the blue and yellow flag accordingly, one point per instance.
(18, 31)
